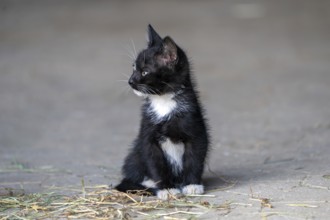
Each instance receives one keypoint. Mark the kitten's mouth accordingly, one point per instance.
(136, 90)
(138, 93)
(144, 91)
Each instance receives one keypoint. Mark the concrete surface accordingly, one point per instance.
(262, 68)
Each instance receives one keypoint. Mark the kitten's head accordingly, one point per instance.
(159, 69)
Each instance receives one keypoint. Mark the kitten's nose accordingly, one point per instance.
(130, 81)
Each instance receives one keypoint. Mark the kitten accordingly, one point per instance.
(169, 153)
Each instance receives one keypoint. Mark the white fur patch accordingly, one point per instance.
(149, 183)
(162, 105)
(138, 93)
(193, 189)
(165, 194)
(173, 153)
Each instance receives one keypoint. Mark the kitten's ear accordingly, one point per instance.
(169, 52)
(153, 38)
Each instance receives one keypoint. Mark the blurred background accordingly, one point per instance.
(66, 111)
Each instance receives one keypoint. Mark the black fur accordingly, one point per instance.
(163, 68)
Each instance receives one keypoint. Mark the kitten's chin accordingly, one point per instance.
(138, 93)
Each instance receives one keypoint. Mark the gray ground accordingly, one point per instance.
(263, 71)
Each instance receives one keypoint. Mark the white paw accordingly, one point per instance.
(165, 194)
(193, 189)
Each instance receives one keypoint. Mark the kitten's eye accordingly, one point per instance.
(134, 66)
(144, 73)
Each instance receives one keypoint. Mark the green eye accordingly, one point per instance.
(144, 73)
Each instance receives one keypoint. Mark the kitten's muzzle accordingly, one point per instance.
(132, 83)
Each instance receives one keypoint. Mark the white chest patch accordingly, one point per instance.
(162, 105)
(173, 153)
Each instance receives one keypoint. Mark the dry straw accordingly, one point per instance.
(100, 202)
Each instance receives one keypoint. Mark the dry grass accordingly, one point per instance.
(100, 202)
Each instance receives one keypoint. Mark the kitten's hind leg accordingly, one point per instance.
(128, 186)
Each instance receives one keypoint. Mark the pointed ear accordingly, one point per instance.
(169, 54)
(153, 37)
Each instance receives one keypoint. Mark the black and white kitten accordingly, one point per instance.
(169, 153)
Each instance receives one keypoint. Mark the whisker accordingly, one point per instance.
(130, 56)
(143, 89)
(124, 90)
(130, 53)
(127, 89)
(150, 90)
(121, 80)
(124, 74)
(134, 48)
(168, 85)
(147, 90)
(153, 91)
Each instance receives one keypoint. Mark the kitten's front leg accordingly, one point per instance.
(163, 189)
(161, 192)
(158, 175)
(193, 189)
(193, 170)
(165, 194)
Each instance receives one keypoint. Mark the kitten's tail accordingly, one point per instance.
(127, 185)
